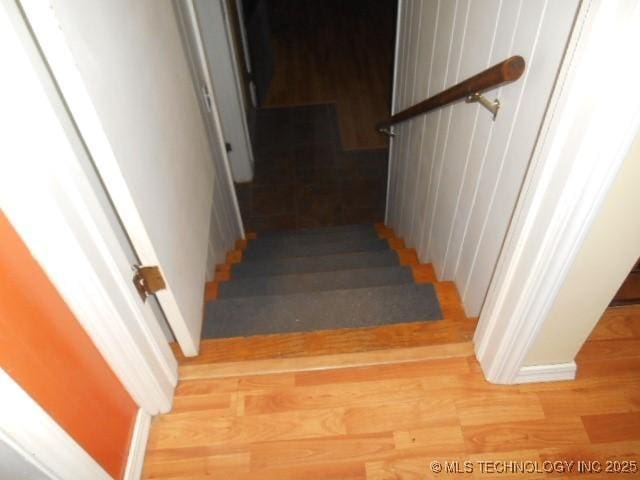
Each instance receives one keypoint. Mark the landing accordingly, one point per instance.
(303, 177)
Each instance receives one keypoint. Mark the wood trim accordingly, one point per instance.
(138, 446)
(407, 257)
(566, 184)
(547, 373)
(325, 362)
(28, 428)
(506, 71)
(223, 271)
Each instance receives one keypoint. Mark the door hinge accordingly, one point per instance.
(147, 280)
(228, 147)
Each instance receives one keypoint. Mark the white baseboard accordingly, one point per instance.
(547, 373)
(138, 446)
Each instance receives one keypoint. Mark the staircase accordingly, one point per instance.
(319, 279)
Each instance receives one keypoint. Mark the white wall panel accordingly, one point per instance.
(455, 173)
(224, 228)
(225, 225)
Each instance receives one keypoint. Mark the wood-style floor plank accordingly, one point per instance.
(499, 408)
(428, 412)
(390, 421)
(612, 399)
(613, 427)
(524, 435)
(318, 451)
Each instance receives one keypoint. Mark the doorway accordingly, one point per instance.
(322, 77)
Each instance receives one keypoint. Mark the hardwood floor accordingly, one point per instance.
(332, 51)
(391, 421)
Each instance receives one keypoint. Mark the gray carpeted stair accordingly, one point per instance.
(266, 250)
(325, 263)
(318, 231)
(304, 312)
(315, 282)
(315, 239)
(315, 279)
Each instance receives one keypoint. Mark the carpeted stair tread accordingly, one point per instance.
(320, 238)
(324, 263)
(315, 282)
(349, 308)
(318, 231)
(257, 251)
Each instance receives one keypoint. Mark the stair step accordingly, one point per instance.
(308, 239)
(315, 282)
(324, 263)
(318, 231)
(349, 308)
(267, 251)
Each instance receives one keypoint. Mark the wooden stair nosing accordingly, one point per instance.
(325, 362)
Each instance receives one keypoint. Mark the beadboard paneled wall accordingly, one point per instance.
(224, 229)
(455, 174)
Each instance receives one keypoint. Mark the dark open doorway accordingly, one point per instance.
(322, 74)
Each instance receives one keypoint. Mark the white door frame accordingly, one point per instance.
(52, 204)
(210, 25)
(591, 120)
(396, 56)
(198, 59)
(246, 51)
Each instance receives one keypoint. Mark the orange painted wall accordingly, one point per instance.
(45, 350)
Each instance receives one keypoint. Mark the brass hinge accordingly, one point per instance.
(147, 280)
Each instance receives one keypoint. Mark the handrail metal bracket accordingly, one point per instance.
(387, 131)
(493, 107)
(502, 73)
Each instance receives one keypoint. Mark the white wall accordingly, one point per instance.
(610, 249)
(13, 464)
(455, 174)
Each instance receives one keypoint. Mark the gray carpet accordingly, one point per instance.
(314, 239)
(317, 279)
(326, 263)
(337, 229)
(266, 250)
(315, 282)
(305, 312)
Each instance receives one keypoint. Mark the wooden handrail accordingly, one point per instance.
(507, 71)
